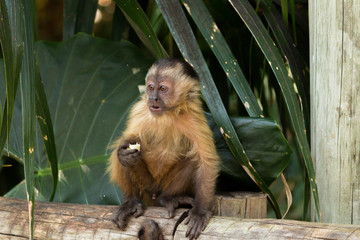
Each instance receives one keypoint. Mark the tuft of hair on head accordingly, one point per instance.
(175, 63)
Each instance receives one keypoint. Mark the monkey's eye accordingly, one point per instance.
(151, 87)
(163, 88)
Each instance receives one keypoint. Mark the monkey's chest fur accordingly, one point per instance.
(163, 151)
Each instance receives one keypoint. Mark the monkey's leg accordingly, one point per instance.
(200, 214)
(175, 187)
(179, 183)
(134, 180)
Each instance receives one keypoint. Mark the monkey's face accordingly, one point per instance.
(169, 85)
(159, 92)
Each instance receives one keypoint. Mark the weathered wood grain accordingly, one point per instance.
(76, 221)
(335, 107)
(241, 205)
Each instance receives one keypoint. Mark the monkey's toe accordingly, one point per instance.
(120, 224)
(139, 210)
(118, 220)
(197, 222)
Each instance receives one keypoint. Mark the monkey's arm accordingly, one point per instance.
(129, 171)
(198, 131)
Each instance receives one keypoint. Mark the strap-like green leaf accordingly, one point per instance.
(252, 21)
(227, 60)
(297, 65)
(142, 26)
(79, 16)
(185, 39)
(27, 86)
(47, 131)
(284, 11)
(292, 11)
(70, 9)
(85, 16)
(12, 45)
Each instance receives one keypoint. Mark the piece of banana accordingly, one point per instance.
(134, 146)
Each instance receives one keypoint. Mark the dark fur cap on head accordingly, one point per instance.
(172, 62)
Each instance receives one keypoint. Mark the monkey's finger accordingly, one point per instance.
(195, 233)
(119, 223)
(130, 151)
(205, 222)
(191, 231)
(139, 211)
(171, 211)
(187, 220)
(124, 146)
(115, 222)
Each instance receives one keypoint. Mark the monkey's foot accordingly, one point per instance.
(171, 203)
(130, 207)
(197, 222)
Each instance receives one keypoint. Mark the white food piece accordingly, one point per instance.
(134, 146)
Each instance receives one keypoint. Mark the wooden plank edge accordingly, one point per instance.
(78, 221)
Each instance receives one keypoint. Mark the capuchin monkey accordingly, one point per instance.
(166, 156)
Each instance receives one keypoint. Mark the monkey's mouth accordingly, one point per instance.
(156, 109)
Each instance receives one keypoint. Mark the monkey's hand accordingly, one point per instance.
(128, 157)
(197, 221)
(130, 207)
(171, 203)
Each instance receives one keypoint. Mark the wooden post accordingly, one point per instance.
(335, 106)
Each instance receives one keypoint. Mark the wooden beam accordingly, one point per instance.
(77, 221)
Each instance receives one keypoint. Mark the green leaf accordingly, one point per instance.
(27, 86)
(185, 39)
(12, 45)
(119, 25)
(70, 9)
(79, 16)
(85, 16)
(47, 131)
(263, 143)
(228, 62)
(91, 112)
(142, 26)
(252, 21)
(292, 11)
(88, 114)
(297, 65)
(284, 11)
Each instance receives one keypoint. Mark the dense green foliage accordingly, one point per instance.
(82, 88)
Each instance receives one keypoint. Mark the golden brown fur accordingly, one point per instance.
(177, 148)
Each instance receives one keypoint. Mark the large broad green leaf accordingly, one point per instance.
(91, 84)
(263, 143)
